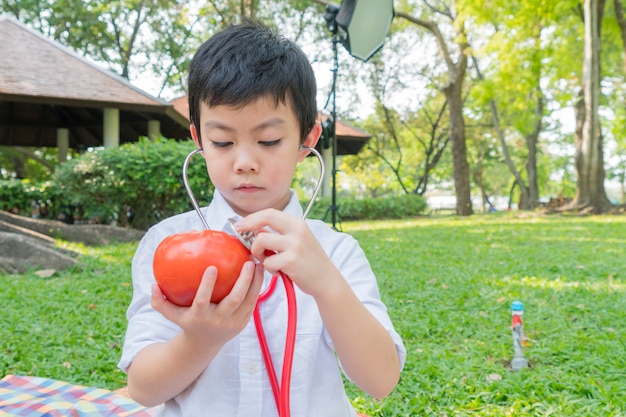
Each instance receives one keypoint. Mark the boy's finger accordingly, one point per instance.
(274, 219)
(268, 244)
(238, 293)
(257, 282)
(253, 290)
(158, 301)
(205, 289)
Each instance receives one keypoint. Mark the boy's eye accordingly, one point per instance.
(269, 143)
(220, 144)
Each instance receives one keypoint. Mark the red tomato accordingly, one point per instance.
(181, 259)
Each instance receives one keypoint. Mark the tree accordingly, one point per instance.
(35, 164)
(125, 36)
(521, 89)
(620, 169)
(589, 158)
(456, 64)
(406, 147)
(621, 22)
(529, 194)
(409, 144)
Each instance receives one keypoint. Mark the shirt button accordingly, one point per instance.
(251, 367)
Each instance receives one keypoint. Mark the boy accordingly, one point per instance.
(252, 105)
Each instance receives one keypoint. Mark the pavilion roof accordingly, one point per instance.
(44, 86)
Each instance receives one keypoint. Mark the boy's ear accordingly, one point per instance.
(195, 136)
(311, 140)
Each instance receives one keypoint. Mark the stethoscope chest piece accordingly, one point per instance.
(246, 238)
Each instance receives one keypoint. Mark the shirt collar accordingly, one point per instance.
(219, 211)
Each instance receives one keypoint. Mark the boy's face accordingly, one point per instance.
(252, 151)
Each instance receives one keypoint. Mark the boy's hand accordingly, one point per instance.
(365, 349)
(298, 253)
(161, 371)
(215, 324)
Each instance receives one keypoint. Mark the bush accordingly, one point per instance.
(30, 199)
(351, 208)
(13, 196)
(135, 184)
(141, 183)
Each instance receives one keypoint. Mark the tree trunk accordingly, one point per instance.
(477, 176)
(621, 22)
(590, 191)
(18, 167)
(459, 149)
(454, 94)
(531, 161)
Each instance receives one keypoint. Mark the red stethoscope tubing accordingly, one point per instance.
(281, 392)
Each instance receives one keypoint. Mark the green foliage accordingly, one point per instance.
(27, 198)
(143, 178)
(36, 164)
(523, 48)
(13, 196)
(403, 154)
(350, 208)
(305, 178)
(140, 39)
(366, 175)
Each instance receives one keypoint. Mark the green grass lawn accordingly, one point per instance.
(448, 283)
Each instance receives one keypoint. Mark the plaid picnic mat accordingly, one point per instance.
(28, 396)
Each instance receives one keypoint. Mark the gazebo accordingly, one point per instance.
(52, 97)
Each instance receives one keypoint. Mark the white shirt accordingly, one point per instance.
(236, 383)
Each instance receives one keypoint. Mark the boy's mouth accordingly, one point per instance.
(247, 188)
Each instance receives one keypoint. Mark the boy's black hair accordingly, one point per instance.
(249, 61)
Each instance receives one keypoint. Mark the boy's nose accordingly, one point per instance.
(245, 161)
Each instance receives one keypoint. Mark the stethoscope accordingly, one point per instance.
(280, 390)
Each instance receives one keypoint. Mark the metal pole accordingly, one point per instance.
(334, 207)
